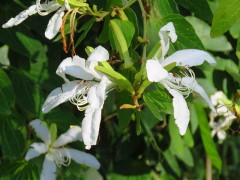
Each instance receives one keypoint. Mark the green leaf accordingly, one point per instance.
(121, 34)
(238, 47)
(158, 101)
(84, 30)
(27, 93)
(22, 41)
(187, 38)
(12, 141)
(117, 78)
(131, 177)
(166, 7)
(203, 31)
(124, 115)
(193, 118)
(7, 96)
(199, 7)
(4, 56)
(188, 138)
(209, 145)
(172, 161)
(225, 16)
(235, 30)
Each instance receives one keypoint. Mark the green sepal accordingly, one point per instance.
(169, 67)
(74, 3)
(122, 82)
(53, 132)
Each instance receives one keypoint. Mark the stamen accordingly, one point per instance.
(61, 156)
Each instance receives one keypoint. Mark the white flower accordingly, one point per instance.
(44, 9)
(226, 116)
(55, 152)
(87, 94)
(178, 84)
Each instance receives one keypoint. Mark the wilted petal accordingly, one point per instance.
(54, 24)
(99, 54)
(82, 157)
(189, 57)
(192, 84)
(73, 134)
(155, 71)
(74, 67)
(181, 111)
(21, 17)
(49, 168)
(167, 32)
(61, 95)
(38, 149)
(41, 130)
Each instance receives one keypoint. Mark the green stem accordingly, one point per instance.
(143, 86)
(144, 15)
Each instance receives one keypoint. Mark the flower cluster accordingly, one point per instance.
(226, 116)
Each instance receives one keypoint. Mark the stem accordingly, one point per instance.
(208, 169)
(144, 15)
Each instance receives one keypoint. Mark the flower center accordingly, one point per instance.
(61, 156)
(79, 98)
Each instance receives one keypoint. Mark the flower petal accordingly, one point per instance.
(61, 95)
(55, 24)
(99, 54)
(41, 130)
(73, 134)
(155, 71)
(189, 57)
(21, 17)
(83, 158)
(166, 32)
(181, 111)
(192, 84)
(49, 168)
(38, 149)
(74, 67)
(91, 122)
(216, 98)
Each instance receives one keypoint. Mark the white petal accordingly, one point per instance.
(41, 130)
(189, 57)
(181, 111)
(192, 83)
(21, 17)
(221, 135)
(73, 134)
(61, 95)
(166, 32)
(83, 158)
(99, 54)
(155, 71)
(38, 149)
(74, 67)
(49, 168)
(54, 24)
(91, 122)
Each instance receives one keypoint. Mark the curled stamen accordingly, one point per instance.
(61, 156)
(47, 7)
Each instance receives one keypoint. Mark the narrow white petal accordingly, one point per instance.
(167, 32)
(192, 83)
(74, 67)
(73, 134)
(21, 17)
(99, 54)
(49, 168)
(181, 111)
(189, 57)
(54, 24)
(41, 130)
(91, 122)
(61, 95)
(83, 158)
(36, 150)
(155, 71)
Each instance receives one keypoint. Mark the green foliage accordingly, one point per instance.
(138, 138)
